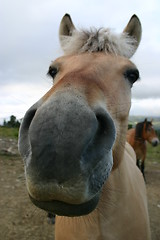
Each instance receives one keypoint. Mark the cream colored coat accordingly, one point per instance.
(122, 212)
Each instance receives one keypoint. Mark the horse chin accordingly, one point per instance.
(64, 209)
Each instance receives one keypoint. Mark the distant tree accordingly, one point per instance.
(4, 123)
(13, 122)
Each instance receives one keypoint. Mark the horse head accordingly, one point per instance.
(145, 131)
(149, 133)
(74, 136)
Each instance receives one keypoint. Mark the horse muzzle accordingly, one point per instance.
(155, 142)
(67, 151)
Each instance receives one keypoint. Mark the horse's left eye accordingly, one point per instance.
(132, 75)
(52, 71)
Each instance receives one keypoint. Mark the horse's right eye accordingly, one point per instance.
(52, 71)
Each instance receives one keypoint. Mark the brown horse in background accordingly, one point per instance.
(138, 138)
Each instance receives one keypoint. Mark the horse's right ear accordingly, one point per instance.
(134, 30)
(66, 28)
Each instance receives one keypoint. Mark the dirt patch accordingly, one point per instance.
(19, 219)
(153, 192)
(9, 146)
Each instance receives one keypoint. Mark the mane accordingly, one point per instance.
(139, 129)
(99, 40)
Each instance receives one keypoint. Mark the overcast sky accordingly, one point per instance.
(29, 42)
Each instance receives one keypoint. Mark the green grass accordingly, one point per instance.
(6, 132)
(9, 157)
(153, 154)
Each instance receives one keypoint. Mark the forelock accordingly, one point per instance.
(101, 40)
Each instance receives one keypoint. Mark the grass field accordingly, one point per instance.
(153, 154)
(6, 132)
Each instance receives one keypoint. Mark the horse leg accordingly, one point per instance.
(142, 169)
(143, 161)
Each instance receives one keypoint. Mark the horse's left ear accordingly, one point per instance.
(66, 28)
(134, 30)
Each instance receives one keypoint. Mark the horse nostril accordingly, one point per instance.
(106, 127)
(23, 142)
(101, 123)
(28, 119)
(155, 143)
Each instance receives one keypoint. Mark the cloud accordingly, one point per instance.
(145, 107)
(147, 88)
(30, 42)
(17, 98)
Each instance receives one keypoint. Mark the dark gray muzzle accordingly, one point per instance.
(65, 143)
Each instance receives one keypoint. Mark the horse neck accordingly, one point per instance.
(119, 179)
(118, 195)
(119, 145)
(140, 138)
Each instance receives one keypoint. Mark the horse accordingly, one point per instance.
(138, 138)
(77, 162)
